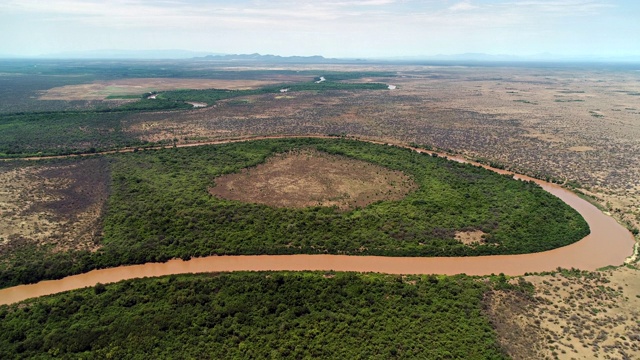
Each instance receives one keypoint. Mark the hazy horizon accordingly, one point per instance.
(335, 29)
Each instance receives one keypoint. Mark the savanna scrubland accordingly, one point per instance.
(577, 125)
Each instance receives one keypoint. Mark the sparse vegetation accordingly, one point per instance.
(578, 313)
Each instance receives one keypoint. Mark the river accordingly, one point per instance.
(609, 243)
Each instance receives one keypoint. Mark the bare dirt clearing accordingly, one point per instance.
(312, 178)
(101, 90)
(470, 237)
(581, 148)
(56, 205)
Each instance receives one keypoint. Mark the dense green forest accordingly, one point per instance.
(258, 316)
(159, 208)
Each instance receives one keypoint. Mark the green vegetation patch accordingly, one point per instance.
(257, 316)
(122, 97)
(526, 102)
(210, 96)
(60, 133)
(160, 208)
(130, 69)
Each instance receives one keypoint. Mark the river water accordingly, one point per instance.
(608, 244)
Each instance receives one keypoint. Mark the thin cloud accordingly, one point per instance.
(347, 26)
(567, 7)
(301, 15)
(463, 6)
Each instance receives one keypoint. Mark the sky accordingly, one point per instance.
(333, 28)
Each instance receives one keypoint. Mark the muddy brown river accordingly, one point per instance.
(608, 244)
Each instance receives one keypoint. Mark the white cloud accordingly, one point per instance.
(183, 13)
(347, 26)
(463, 6)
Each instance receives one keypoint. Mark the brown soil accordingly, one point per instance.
(312, 178)
(581, 148)
(470, 237)
(52, 204)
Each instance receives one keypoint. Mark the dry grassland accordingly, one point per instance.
(589, 316)
(18, 192)
(309, 178)
(56, 205)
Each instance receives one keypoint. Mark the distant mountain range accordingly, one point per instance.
(315, 59)
(222, 57)
(180, 54)
(544, 57)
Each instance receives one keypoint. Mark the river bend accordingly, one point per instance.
(609, 243)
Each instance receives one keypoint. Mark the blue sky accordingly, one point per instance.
(334, 28)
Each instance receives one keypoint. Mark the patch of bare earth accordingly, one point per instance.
(304, 178)
(470, 237)
(59, 205)
(589, 316)
(581, 148)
